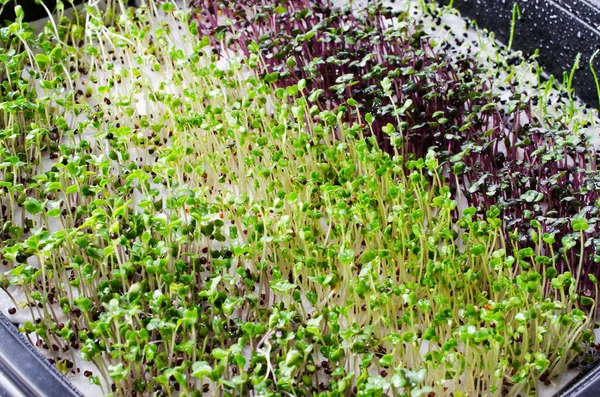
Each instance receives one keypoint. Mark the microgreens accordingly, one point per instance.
(538, 167)
(194, 220)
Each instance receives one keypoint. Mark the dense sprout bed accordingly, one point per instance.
(194, 218)
(535, 165)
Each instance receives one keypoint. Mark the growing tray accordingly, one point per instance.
(24, 372)
(586, 385)
(559, 28)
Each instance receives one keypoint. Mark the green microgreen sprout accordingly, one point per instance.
(516, 13)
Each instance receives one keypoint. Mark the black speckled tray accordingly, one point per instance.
(559, 28)
(24, 371)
